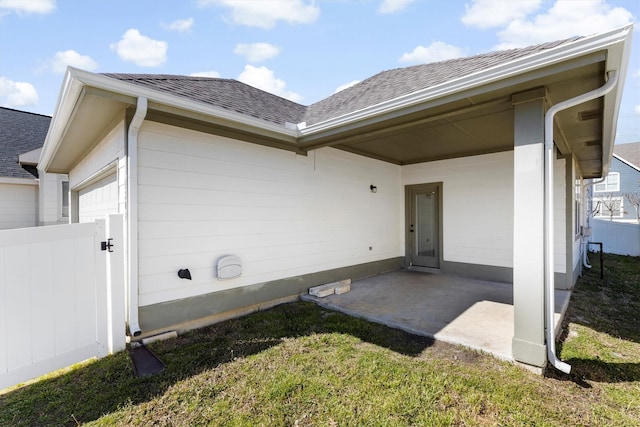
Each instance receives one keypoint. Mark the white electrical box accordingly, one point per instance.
(229, 267)
(586, 231)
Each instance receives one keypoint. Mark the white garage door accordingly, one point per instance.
(98, 199)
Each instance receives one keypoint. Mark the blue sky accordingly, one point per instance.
(303, 50)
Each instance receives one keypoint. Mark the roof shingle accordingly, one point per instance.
(20, 132)
(629, 152)
(226, 93)
(387, 85)
(394, 83)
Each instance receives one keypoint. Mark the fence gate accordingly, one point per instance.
(61, 297)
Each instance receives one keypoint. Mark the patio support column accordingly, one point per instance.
(528, 345)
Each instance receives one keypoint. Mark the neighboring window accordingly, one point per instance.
(611, 183)
(611, 207)
(65, 199)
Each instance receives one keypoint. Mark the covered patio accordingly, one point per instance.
(474, 313)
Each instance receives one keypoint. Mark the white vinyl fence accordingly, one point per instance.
(61, 297)
(617, 237)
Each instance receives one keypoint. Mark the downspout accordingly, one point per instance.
(548, 212)
(132, 214)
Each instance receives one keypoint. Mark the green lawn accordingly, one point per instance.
(298, 364)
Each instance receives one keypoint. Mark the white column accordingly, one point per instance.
(528, 343)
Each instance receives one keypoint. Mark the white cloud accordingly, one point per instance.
(17, 94)
(180, 26)
(61, 60)
(266, 13)
(141, 50)
(636, 110)
(566, 18)
(257, 52)
(29, 6)
(391, 6)
(436, 51)
(213, 74)
(495, 13)
(263, 78)
(346, 86)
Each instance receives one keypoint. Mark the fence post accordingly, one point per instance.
(115, 285)
(100, 282)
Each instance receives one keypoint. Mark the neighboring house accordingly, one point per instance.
(608, 197)
(28, 198)
(614, 201)
(439, 165)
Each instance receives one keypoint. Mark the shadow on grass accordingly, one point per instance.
(104, 386)
(610, 306)
(583, 370)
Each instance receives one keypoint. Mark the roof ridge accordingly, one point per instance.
(133, 76)
(26, 112)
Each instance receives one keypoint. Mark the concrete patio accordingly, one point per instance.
(458, 310)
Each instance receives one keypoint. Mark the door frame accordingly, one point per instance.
(408, 189)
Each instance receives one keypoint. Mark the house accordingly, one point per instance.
(608, 197)
(614, 203)
(444, 165)
(21, 137)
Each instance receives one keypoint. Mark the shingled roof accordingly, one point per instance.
(394, 83)
(239, 97)
(20, 132)
(226, 93)
(629, 152)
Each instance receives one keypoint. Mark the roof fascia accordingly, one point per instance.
(617, 60)
(30, 157)
(527, 64)
(18, 181)
(67, 99)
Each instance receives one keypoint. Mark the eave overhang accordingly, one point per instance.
(588, 59)
(402, 130)
(88, 98)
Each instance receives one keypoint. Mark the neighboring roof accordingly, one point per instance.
(229, 94)
(20, 131)
(629, 152)
(401, 81)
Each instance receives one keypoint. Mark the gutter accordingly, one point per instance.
(132, 215)
(548, 213)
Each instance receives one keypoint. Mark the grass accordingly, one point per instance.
(298, 364)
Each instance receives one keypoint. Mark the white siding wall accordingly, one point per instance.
(577, 240)
(99, 199)
(50, 198)
(203, 196)
(18, 205)
(560, 209)
(477, 206)
(109, 152)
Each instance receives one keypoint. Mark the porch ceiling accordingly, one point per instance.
(482, 122)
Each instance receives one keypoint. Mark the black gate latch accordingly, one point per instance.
(106, 246)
